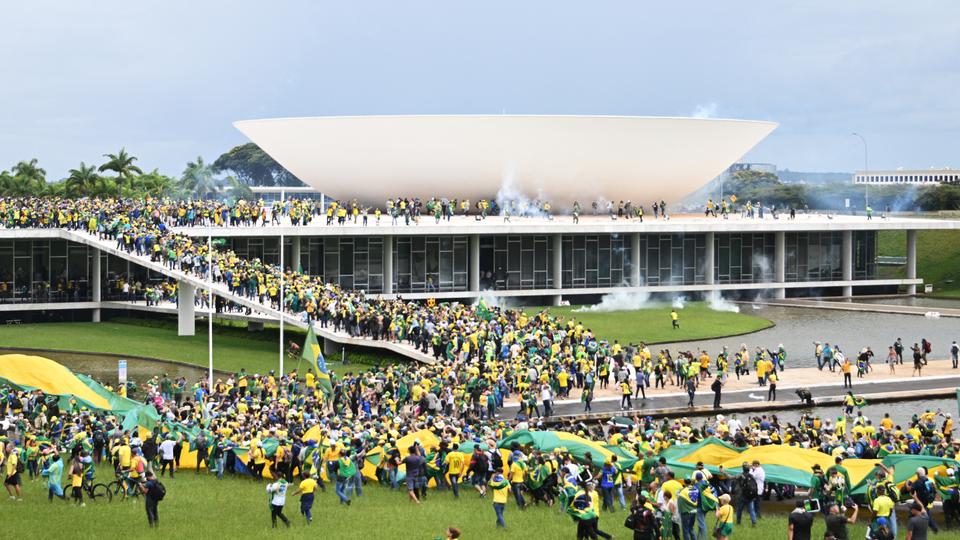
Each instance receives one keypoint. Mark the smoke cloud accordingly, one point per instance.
(708, 110)
(717, 302)
(618, 301)
(679, 302)
(519, 204)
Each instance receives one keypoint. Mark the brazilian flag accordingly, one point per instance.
(859, 402)
(314, 356)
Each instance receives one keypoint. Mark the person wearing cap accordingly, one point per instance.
(882, 507)
(837, 521)
(919, 522)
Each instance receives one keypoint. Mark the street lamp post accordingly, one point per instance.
(866, 168)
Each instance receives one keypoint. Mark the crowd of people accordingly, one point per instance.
(484, 356)
(270, 416)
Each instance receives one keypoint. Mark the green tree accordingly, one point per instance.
(122, 164)
(252, 166)
(237, 190)
(27, 178)
(155, 184)
(942, 197)
(79, 181)
(198, 179)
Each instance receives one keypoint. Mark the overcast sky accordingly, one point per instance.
(166, 79)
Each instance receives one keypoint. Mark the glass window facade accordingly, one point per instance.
(354, 262)
(44, 271)
(516, 262)
(864, 255)
(672, 259)
(430, 264)
(813, 256)
(590, 260)
(745, 257)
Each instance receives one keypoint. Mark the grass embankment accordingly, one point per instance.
(652, 324)
(202, 507)
(234, 347)
(938, 258)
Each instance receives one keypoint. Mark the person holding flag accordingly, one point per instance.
(314, 357)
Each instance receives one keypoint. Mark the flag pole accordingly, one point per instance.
(281, 304)
(210, 315)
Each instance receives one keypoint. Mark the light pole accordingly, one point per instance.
(866, 168)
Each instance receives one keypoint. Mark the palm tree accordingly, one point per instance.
(28, 178)
(122, 164)
(156, 184)
(198, 179)
(80, 181)
(237, 190)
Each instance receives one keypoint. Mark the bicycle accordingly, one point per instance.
(97, 491)
(124, 486)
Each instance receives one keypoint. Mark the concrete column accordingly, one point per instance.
(557, 267)
(911, 259)
(295, 253)
(780, 263)
(710, 258)
(474, 262)
(846, 257)
(388, 264)
(331, 350)
(185, 309)
(635, 260)
(96, 282)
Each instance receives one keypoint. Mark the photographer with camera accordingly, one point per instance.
(837, 520)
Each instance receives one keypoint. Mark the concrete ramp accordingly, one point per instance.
(221, 290)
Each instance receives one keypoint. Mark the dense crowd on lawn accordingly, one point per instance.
(46, 441)
(484, 355)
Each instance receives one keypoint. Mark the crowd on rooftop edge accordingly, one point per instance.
(485, 355)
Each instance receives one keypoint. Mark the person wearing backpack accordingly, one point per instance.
(745, 491)
(153, 492)
(642, 520)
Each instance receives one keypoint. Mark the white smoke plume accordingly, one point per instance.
(519, 204)
(618, 301)
(717, 302)
(708, 110)
(679, 302)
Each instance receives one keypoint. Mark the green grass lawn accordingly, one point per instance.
(938, 257)
(652, 325)
(202, 507)
(233, 347)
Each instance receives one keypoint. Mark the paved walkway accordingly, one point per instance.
(863, 307)
(938, 374)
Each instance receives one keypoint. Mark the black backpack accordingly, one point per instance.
(748, 486)
(161, 491)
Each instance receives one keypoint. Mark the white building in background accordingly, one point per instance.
(558, 159)
(912, 176)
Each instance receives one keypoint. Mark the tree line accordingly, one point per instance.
(766, 187)
(229, 176)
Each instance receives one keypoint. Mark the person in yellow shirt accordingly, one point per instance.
(501, 491)
(518, 469)
(11, 464)
(454, 465)
(724, 518)
(306, 489)
(76, 480)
